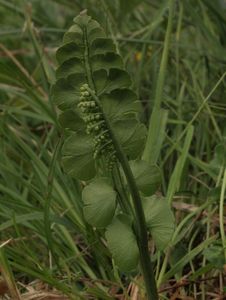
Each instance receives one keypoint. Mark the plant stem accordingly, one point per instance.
(140, 225)
(221, 213)
(119, 186)
(141, 230)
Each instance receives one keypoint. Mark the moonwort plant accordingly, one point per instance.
(104, 140)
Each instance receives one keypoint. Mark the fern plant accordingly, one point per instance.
(104, 140)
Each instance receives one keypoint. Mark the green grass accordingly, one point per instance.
(177, 62)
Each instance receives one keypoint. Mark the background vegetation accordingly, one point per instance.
(177, 61)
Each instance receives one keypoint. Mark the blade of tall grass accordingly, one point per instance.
(155, 119)
(8, 276)
(175, 179)
(188, 257)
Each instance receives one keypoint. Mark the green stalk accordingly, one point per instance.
(142, 238)
(221, 213)
(119, 186)
(140, 225)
